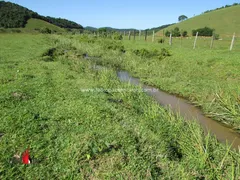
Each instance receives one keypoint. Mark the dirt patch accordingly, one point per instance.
(20, 96)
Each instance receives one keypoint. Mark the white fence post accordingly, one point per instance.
(153, 37)
(211, 46)
(129, 35)
(195, 42)
(233, 38)
(170, 40)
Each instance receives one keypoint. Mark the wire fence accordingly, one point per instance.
(226, 41)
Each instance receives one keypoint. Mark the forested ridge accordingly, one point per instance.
(16, 16)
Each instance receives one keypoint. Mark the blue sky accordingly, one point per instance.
(121, 13)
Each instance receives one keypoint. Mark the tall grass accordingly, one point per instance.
(208, 78)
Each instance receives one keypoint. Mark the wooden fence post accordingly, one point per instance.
(211, 46)
(163, 36)
(134, 35)
(195, 41)
(139, 34)
(181, 39)
(233, 39)
(129, 35)
(146, 35)
(170, 39)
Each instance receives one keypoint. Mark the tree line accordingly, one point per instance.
(226, 6)
(16, 16)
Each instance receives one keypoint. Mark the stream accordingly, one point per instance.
(185, 109)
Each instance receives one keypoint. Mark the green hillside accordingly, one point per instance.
(33, 24)
(225, 21)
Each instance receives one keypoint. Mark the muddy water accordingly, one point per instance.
(189, 112)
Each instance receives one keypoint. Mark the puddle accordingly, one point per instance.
(189, 112)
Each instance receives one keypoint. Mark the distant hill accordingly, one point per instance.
(158, 28)
(16, 16)
(93, 29)
(120, 30)
(89, 28)
(224, 20)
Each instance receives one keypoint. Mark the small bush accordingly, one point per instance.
(49, 55)
(16, 31)
(50, 52)
(154, 53)
(206, 31)
(167, 33)
(184, 34)
(47, 58)
(216, 36)
(165, 52)
(117, 36)
(2, 30)
(45, 30)
(176, 32)
(114, 45)
(161, 41)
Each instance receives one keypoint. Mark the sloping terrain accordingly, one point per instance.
(225, 21)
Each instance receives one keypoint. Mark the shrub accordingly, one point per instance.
(117, 36)
(165, 52)
(206, 31)
(114, 45)
(161, 41)
(2, 30)
(216, 36)
(154, 53)
(143, 52)
(167, 33)
(184, 33)
(176, 32)
(16, 31)
(45, 30)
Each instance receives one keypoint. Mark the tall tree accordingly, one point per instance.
(182, 18)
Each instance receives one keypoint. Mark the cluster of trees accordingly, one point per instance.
(15, 16)
(226, 6)
(206, 31)
(63, 23)
(176, 32)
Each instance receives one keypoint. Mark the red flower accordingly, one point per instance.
(26, 157)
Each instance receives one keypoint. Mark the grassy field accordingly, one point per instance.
(55, 103)
(224, 21)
